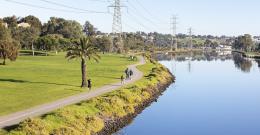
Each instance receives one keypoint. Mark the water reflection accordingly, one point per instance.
(215, 93)
(240, 62)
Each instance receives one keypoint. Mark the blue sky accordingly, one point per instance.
(218, 17)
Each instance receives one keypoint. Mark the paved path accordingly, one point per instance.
(17, 117)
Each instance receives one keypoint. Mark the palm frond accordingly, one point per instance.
(83, 49)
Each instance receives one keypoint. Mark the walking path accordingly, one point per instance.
(17, 117)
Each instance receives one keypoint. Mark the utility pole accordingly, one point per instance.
(190, 38)
(174, 43)
(117, 22)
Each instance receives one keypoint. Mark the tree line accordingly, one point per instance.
(246, 43)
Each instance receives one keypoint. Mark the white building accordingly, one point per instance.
(224, 47)
(5, 24)
(24, 25)
(256, 39)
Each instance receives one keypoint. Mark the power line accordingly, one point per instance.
(99, 0)
(46, 8)
(70, 7)
(142, 16)
(131, 27)
(138, 21)
(147, 11)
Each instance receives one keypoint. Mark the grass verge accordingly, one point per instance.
(32, 81)
(89, 116)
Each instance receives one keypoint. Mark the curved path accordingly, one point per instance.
(15, 118)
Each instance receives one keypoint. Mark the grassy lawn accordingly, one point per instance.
(88, 117)
(31, 81)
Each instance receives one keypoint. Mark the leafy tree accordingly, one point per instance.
(8, 47)
(34, 22)
(244, 43)
(118, 45)
(208, 43)
(83, 50)
(50, 42)
(104, 44)
(11, 21)
(67, 28)
(89, 29)
(26, 36)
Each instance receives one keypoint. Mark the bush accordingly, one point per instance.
(89, 117)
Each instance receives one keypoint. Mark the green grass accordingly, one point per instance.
(89, 116)
(32, 81)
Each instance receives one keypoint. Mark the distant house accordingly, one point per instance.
(256, 39)
(224, 47)
(5, 24)
(24, 25)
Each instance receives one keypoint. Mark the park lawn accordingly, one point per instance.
(32, 81)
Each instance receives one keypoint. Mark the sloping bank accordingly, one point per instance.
(105, 114)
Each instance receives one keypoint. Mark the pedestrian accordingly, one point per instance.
(89, 84)
(126, 73)
(131, 73)
(122, 79)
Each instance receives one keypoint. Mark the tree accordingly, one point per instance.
(244, 43)
(33, 21)
(50, 42)
(11, 21)
(118, 45)
(26, 36)
(83, 50)
(67, 28)
(8, 47)
(104, 44)
(89, 29)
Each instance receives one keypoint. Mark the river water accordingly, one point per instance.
(216, 93)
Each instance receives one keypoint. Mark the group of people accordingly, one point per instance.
(128, 73)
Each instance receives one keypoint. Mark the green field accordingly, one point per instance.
(31, 81)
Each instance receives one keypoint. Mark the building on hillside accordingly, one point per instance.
(5, 24)
(256, 39)
(24, 25)
(224, 47)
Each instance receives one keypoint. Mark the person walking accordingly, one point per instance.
(122, 79)
(89, 84)
(130, 73)
(126, 73)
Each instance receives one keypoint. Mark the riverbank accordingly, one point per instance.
(104, 114)
(254, 55)
(33, 81)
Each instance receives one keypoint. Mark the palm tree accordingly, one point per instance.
(84, 50)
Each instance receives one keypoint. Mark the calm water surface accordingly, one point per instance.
(214, 94)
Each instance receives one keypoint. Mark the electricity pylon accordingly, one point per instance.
(117, 23)
(190, 38)
(117, 20)
(174, 43)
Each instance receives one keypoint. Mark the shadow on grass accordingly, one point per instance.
(23, 81)
(13, 80)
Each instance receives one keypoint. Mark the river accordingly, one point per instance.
(216, 93)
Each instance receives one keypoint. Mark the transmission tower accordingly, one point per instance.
(174, 43)
(117, 20)
(117, 25)
(190, 38)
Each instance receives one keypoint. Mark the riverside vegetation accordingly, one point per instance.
(97, 115)
(32, 81)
